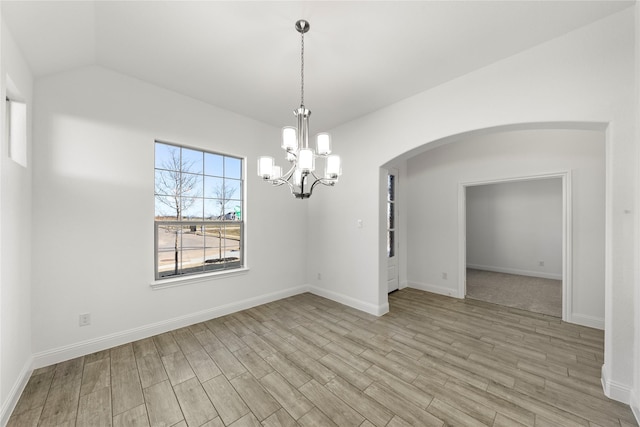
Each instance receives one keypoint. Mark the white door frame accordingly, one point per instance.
(567, 284)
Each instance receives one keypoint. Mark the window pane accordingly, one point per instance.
(193, 209)
(228, 210)
(17, 126)
(391, 187)
(165, 208)
(167, 156)
(192, 249)
(232, 167)
(213, 164)
(167, 182)
(232, 189)
(191, 185)
(214, 257)
(391, 244)
(216, 208)
(214, 187)
(235, 206)
(212, 209)
(167, 194)
(232, 238)
(169, 244)
(192, 161)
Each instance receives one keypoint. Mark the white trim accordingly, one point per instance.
(16, 391)
(507, 270)
(615, 390)
(585, 320)
(635, 401)
(462, 240)
(567, 249)
(440, 290)
(567, 254)
(188, 280)
(395, 260)
(376, 310)
(56, 355)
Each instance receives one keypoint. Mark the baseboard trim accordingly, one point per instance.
(376, 310)
(82, 348)
(441, 290)
(615, 390)
(16, 391)
(60, 354)
(635, 408)
(519, 272)
(586, 320)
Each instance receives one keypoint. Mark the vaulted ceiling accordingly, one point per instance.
(245, 56)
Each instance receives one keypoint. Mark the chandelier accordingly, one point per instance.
(301, 177)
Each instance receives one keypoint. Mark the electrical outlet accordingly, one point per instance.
(541, 263)
(319, 276)
(445, 276)
(84, 319)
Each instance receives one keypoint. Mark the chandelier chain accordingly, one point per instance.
(302, 70)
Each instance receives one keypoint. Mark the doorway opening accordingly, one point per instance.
(515, 235)
(514, 244)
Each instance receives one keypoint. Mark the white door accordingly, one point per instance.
(392, 234)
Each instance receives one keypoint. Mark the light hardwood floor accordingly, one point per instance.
(308, 361)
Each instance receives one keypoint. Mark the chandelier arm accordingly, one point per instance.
(287, 176)
(316, 182)
(328, 182)
(277, 182)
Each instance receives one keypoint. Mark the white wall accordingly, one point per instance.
(585, 76)
(512, 227)
(635, 395)
(435, 177)
(93, 210)
(15, 236)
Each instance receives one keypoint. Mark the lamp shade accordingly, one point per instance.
(265, 167)
(277, 172)
(323, 144)
(306, 160)
(289, 138)
(297, 177)
(333, 168)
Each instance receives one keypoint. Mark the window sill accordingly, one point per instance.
(188, 280)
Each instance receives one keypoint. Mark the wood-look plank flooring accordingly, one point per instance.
(307, 361)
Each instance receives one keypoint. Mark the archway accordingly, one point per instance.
(449, 257)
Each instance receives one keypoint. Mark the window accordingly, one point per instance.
(199, 224)
(17, 130)
(391, 223)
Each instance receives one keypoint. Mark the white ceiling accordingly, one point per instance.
(245, 56)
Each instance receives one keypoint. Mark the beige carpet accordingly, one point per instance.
(524, 292)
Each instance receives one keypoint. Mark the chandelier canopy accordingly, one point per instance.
(301, 177)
